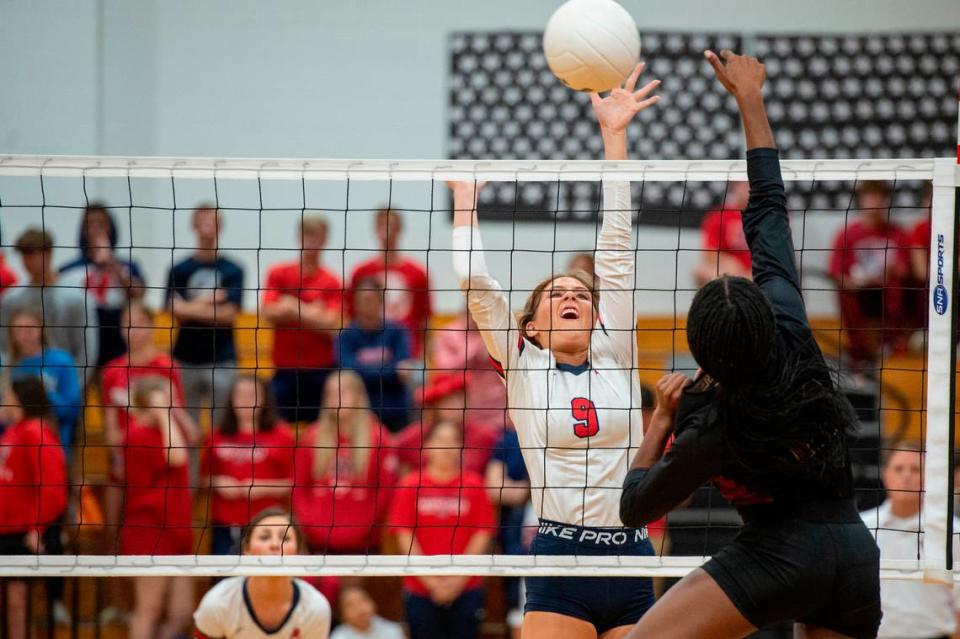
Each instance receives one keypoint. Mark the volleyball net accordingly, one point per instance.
(308, 290)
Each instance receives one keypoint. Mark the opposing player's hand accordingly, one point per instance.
(669, 389)
(468, 188)
(615, 111)
(741, 75)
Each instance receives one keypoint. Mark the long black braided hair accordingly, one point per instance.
(780, 411)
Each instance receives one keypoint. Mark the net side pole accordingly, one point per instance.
(938, 481)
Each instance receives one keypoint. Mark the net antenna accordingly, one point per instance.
(935, 559)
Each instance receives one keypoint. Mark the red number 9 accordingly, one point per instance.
(585, 413)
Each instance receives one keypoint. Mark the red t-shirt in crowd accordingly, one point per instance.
(340, 512)
(118, 375)
(293, 345)
(407, 294)
(157, 518)
(873, 254)
(245, 457)
(7, 277)
(479, 442)
(722, 230)
(443, 516)
(33, 477)
(920, 234)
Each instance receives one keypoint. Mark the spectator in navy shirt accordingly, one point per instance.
(205, 292)
(110, 280)
(379, 351)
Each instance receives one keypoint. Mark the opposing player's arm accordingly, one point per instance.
(614, 257)
(765, 221)
(486, 300)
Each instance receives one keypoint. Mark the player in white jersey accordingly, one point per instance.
(262, 607)
(573, 394)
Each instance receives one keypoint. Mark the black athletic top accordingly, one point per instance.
(698, 453)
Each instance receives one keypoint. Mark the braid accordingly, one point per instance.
(780, 411)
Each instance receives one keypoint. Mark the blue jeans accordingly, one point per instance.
(225, 540)
(459, 620)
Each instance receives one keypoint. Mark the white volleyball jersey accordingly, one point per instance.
(225, 613)
(578, 429)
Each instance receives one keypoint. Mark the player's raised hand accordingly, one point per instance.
(739, 74)
(615, 111)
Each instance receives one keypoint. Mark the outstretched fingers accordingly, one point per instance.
(645, 90)
(718, 67)
(631, 80)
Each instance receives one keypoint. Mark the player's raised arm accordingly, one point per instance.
(765, 221)
(614, 258)
(485, 299)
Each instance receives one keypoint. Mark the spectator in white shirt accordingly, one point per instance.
(911, 609)
(358, 613)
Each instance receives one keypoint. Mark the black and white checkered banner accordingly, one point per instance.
(868, 96)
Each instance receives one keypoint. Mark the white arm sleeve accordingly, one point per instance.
(485, 298)
(615, 270)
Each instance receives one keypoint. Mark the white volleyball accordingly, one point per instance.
(591, 45)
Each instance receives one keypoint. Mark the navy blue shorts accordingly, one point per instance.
(606, 602)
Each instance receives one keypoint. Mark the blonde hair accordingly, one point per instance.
(313, 222)
(35, 313)
(533, 301)
(327, 441)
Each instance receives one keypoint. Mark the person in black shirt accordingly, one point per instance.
(766, 423)
(205, 293)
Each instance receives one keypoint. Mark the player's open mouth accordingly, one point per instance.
(570, 313)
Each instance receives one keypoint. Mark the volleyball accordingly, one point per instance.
(591, 45)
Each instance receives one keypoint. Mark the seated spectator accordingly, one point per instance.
(359, 618)
(871, 266)
(141, 359)
(303, 301)
(31, 357)
(249, 462)
(205, 293)
(379, 351)
(403, 278)
(69, 316)
(157, 505)
(508, 486)
(265, 606)
(459, 346)
(724, 249)
(442, 510)
(910, 608)
(33, 489)
(443, 399)
(917, 295)
(344, 472)
(110, 280)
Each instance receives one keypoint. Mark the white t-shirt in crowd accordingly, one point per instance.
(380, 628)
(225, 613)
(910, 608)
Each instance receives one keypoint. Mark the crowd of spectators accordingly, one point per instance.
(377, 438)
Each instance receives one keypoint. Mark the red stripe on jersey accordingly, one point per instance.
(498, 367)
(199, 635)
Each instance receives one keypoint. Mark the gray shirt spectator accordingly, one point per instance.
(69, 316)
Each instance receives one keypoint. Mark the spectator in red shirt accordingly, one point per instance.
(459, 346)
(444, 400)
(303, 301)
(157, 509)
(33, 486)
(344, 472)
(871, 266)
(7, 277)
(917, 303)
(249, 462)
(443, 511)
(404, 279)
(724, 246)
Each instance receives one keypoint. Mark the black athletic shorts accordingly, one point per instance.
(815, 563)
